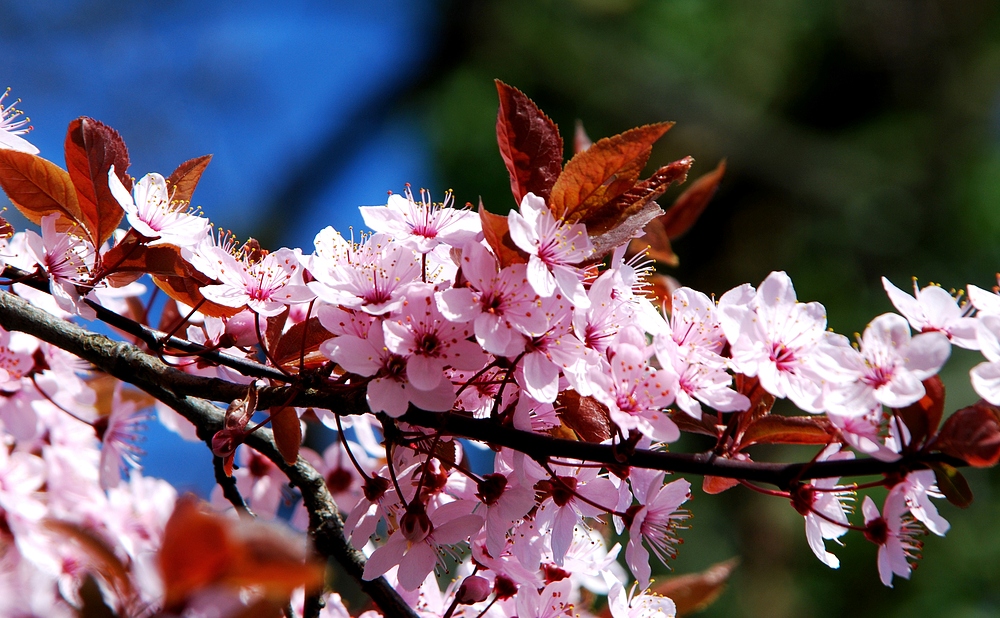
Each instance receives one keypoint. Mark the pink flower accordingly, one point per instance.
(501, 303)
(371, 276)
(264, 283)
(390, 392)
(551, 602)
(429, 342)
(636, 394)
(415, 543)
(986, 376)
(422, 226)
(67, 259)
(895, 533)
(554, 247)
(579, 494)
(887, 370)
(553, 352)
(636, 606)
(918, 488)
(777, 339)
(934, 309)
(655, 520)
(153, 215)
(11, 127)
(119, 433)
(824, 506)
(505, 505)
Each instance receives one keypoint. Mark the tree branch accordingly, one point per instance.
(128, 363)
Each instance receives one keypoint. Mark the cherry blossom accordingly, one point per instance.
(554, 247)
(777, 339)
(934, 309)
(267, 284)
(888, 368)
(655, 521)
(422, 226)
(12, 126)
(414, 545)
(895, 533)
(154, 215)
(825, 506)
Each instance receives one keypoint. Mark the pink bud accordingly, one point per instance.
(224, 443)
(473, 590)
(242, 328)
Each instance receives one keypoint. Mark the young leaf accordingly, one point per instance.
(92, 148)
(588, 419)
(497, 233)
(188, 291)
(972, 434)
(688, 207)
(774, 429)
(184, 179)
(713, 485)
(302, 339)
(952, 484)
(604, 171)
(529, 143)
(287, 433)
(38, 187)
(694, 592)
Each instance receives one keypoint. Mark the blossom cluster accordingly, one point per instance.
(545, 332)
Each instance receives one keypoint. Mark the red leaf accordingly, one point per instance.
(774, 429)
(972, 434)
(713, 485)
(302, 339)
(631, 221)
(38, 187)
(188, 291)
(694, 592)
(202, 549)
(287, 433)
(529, 143)
(585, 416)
(689, 206)
(184, 179)
(92, 148)
(497, 233)
(923, 417)
(601, 173)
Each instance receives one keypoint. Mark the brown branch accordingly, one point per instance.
(128, 363)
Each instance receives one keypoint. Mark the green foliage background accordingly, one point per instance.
(862, 139)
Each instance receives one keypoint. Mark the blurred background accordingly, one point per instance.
(862, 139)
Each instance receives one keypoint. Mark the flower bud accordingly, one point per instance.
(241, 329)
(415, 524)
(473, 590)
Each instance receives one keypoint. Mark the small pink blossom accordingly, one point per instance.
(554, 248)
(266, 283)
(888, 368)
(655, 521)
(154, 215)
(895, 533)
(777, 339)
(424, 225)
